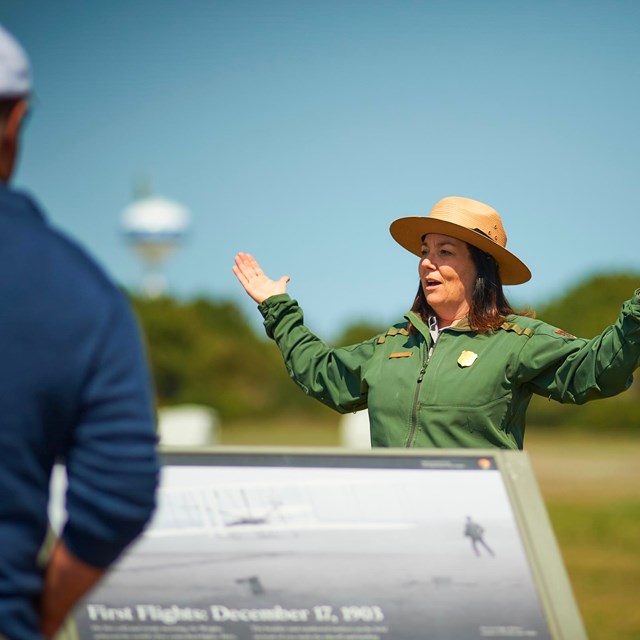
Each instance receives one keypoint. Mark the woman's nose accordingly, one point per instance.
(426, 264)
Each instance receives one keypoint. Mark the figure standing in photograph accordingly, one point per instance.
(475, 533)
(74, 388)
(461, 368)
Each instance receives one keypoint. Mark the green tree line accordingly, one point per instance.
(207, 352)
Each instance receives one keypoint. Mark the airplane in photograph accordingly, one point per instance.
(242, 510)
(248, 517)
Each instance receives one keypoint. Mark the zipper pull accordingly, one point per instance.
(422, 372)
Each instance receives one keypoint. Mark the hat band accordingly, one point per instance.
(481, 232)
(486, 235)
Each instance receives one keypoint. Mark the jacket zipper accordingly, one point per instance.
(414, 409)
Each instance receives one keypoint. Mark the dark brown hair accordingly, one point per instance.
(489, 306)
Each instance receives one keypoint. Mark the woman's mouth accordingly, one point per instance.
(429, 283)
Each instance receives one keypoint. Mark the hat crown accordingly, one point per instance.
(471, 214)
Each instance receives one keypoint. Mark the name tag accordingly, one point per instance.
(401, 354)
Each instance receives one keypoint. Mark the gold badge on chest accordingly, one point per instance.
(467, 358)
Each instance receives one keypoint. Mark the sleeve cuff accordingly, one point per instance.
(273, 308)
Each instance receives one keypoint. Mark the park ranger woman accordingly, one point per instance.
(461, 368)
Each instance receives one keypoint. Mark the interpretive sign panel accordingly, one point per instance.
(255, 545)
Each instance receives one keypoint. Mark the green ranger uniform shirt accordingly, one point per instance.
(468, 389)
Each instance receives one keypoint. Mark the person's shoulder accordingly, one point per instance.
(41, 245)
(79, 257)
(530, 326)
(77, 275)
(64, 272)
(396, 331)
(520, 324)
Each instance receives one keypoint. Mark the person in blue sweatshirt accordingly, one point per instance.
(75, 388)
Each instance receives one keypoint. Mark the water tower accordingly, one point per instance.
(155, 227)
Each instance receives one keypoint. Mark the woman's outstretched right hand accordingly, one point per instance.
(255, 282)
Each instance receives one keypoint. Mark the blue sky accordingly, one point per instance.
(297, 130)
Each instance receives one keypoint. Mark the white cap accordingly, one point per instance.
(15, 73)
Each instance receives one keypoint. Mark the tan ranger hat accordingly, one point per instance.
(464, 219)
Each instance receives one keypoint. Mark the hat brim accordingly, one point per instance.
(408, 232)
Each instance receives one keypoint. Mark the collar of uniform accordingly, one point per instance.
(418, 323)
(460, 325)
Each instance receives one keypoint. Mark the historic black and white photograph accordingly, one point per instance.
(322, 552)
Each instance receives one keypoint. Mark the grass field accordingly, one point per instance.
(591, 487)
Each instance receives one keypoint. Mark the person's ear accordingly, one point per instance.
(9, 135)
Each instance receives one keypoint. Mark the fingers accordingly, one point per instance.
(243, 269)
(249, 262)
(248, 266)
(258, 285)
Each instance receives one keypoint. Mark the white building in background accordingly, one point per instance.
(188, 425)
(155, 228)
(354, 430)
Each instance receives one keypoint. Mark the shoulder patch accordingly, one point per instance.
(395, 331)
(560, 332)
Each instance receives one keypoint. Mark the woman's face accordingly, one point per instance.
(448, 275)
